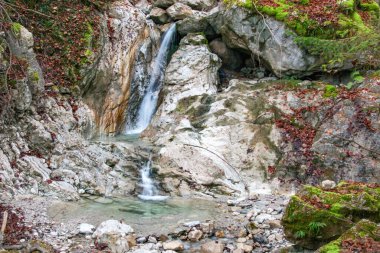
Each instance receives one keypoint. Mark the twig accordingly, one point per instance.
(5, 220)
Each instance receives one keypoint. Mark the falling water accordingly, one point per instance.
(149, 102)
(149, 190)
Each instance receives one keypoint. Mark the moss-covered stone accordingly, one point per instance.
(364, 229)
(321, 215)
(16, 29)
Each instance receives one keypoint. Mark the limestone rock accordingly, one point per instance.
(195, 235)
(328, 184)
(107, 83)
(191, 71)
(163, 3)
(85, 228)
(159, 16)
(364, 230)
(112, 227)
(331, 214)
(173, 245)
(114, 234)
(196, 23)
(212, 247)
(179, 11)
(267, 40)
(199, 4)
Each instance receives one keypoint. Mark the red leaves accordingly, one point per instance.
(60, 41)
(316, 202)
(16, 228)
(365, 245)
(271, 169)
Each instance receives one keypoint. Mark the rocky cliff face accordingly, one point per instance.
(257, 135)
(42, 146)
(107, 87)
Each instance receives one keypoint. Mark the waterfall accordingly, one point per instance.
(149, 103)
(149, 190)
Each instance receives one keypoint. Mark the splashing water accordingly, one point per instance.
(149, 191)
(148, 105)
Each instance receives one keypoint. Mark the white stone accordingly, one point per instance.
(86, 228)
(112, 227)
(173, 245)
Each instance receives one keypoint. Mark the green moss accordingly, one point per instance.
(330, 91)
(325, 214)
(185, 104)
(35, 76)
(16, 29)
(331, 248)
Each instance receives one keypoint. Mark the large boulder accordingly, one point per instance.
(179, 11)
(266, 39)
(196, 23)
(363, 237)
(199, 4)
(113, 233)
(163, 3)
(159, 16)
(193, 70)
(230, 58)
(314, 216)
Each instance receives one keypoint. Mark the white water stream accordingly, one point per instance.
(149, 190)
(149, 103)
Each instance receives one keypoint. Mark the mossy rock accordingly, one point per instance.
(315, 216)
(364, 232)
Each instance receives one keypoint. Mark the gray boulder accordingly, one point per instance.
(199, 4)
(194, 24)
(163, 3)
(179, 11)
(265, 39)
(193, 68)
(159, 16)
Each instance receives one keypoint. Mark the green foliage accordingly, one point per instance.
(337, 19)
(330, 91)
(316, 226)
(300, 234)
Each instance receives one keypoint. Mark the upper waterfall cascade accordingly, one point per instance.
(149, 103)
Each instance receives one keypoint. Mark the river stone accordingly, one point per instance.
(179, 11)
(112, 227)
(328, 184)
(263, 217)
(212, 247)
(195, 235)
(173, 245)
(159, 16)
